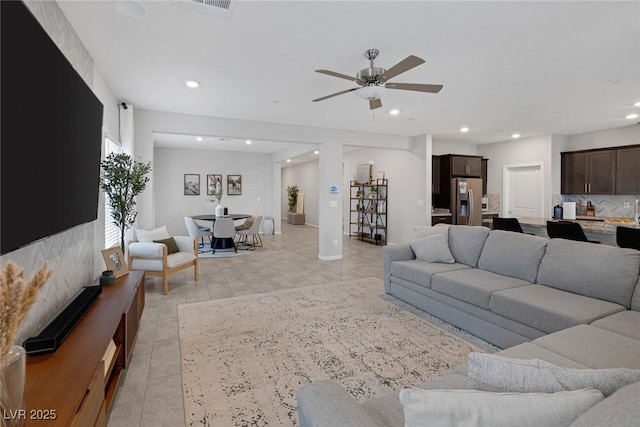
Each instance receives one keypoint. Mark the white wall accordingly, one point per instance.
(523, 151)
(305, 176)
(629, 135)
(440, 148)
(406, 173)
(169, 166)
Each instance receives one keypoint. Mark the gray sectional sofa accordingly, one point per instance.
(573, 304)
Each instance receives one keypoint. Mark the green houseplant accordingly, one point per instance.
(292, 193)
(122, 180)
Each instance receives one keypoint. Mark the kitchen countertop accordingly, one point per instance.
(591, 225)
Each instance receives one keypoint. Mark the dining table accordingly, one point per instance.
(227, 242)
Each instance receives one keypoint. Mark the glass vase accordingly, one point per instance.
(12, 378)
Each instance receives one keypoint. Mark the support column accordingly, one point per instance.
(276, 194)
(330, 218)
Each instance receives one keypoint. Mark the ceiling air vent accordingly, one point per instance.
(207, 7)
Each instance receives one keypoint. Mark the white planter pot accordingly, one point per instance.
(219, 210)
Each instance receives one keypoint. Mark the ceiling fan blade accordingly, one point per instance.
(342, 76)
(375, 103)
(335, 94)
(414, 86)
(405, 65)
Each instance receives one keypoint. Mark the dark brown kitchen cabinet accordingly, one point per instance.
(483, 175)
(435, 175)
(589, 172)
(464, 166)
(628, 170)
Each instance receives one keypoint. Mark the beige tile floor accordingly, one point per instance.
(150, 392)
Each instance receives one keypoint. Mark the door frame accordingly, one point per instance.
(506, 185)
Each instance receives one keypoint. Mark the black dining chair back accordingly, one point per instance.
(507, 224)
(567, 230)
(627, 237)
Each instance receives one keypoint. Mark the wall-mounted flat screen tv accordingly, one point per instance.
(50, 135)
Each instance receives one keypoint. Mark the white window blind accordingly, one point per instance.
(111, 231)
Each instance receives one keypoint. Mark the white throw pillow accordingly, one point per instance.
(148, 236)
(426, 230)
(497, 373)
(454, 408)
(433, 248)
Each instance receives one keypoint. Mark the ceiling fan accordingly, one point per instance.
(373, 81)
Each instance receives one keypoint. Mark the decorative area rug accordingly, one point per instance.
(220, 253)
(244, 358)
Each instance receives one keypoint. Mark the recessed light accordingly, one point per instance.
(192, 84)
(637, 104)
(199, 138)
(515, 135)
(288, 160)
(631, 116)
(394, 112)
(464, 129)
(316, 152)
(248, 142)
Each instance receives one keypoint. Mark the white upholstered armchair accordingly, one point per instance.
(159, 254)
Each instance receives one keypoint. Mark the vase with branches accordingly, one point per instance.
(122, 180)
(292, 193)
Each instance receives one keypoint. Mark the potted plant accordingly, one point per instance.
(122, 180)
(292, 192)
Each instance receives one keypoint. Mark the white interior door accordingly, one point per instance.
(523, 191)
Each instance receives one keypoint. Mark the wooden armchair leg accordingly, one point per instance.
(165, 283)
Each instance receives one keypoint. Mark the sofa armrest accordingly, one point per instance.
(391, 254)
(327, 404)
(186, 243)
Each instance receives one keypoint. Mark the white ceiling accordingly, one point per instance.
(535, 68)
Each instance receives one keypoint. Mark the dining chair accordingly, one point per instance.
(224, 228)
(627, 237)
(254, 232)
(197, 231)
(567, 230)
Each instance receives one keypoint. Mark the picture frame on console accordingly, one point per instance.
(191, 184)
(234, 185)
(115, 261)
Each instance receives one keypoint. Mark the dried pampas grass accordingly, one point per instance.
(17, 295)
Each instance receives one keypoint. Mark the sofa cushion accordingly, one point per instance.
(433, 248)
(421, 272)
(490, 372)
(480, 408)
(473, 285)
(420, 231)
(635, 299)
(530, 350)
(466, 243)
(598, 271)
(148, 236)
(593, 347)
(548, 309)
(513, 254)
(624, 323)
(619, 409)
(170, 243)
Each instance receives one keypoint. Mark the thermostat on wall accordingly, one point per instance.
(333, 189)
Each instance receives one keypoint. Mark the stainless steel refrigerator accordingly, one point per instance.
(466, 201)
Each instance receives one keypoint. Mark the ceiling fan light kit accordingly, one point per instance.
(373, 80)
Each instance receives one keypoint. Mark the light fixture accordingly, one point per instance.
(371, 92)
(515, 135)
(316, 152)
(248, 142)
(288, 160)
(192, 84)
(464, 129)
(199, 138)
(637, 104)
(631, 116)
(394, 112)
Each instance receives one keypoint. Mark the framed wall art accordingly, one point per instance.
(114, 259)
(234, 185)
(363, 174)
(191, 184)
(214, 182)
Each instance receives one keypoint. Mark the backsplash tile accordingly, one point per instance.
(606, 205)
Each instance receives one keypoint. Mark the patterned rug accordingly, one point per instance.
(244, 358)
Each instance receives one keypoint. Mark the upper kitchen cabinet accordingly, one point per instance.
(464, 166)
(589, 172)
(435, 175)
(628, 170)
(483, 175)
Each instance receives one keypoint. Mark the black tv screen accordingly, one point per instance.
(50, 135)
